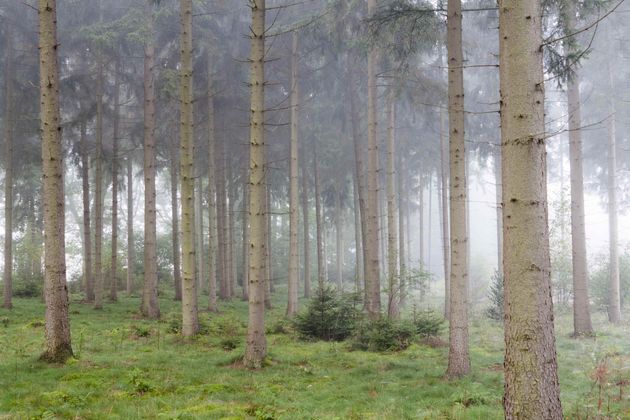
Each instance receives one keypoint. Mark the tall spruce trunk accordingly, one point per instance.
(402, 249)
(177, 271)
(245, 243)
(231, 234)
(358, 236)
(256, 348)
(499, 208)
(190, 321)
(321, 260)
(87, 231)
(150, 306)
(306, 228)
(458, 355)
(113, 275)
(581, 308)
(614, 301)
(212, 201)
(268, 271)
(339, 240)
(58, 342)
(531, 378)
(421, 231)
(446, 232)
(8, 167)
(372, 272)
(292, 305)
(131, 247)
(224, 289)
(393, 310)
(98, 189)
(199, 234)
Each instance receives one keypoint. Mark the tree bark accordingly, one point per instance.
(212, 202)
(245, 243)
(499, 207)
(224, 289)
(321, 262)
(256, 348)
(372, 272)
(446, 242)
(199, 234)
(306, 228)
(402, 208)
(268, 260)
(98, 189)
(87, 231)
(8, 167)
(58, 342)
(531, 378)
(339, 240)
(177, 271)
(113, 276)
(292, 306)
(131, 245)
(358, 236)
(150, 305)
(190, 321)
(581, 309)
(393, 310)
(458, 357)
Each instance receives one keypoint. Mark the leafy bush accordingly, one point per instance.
(495, 311)
(428, 323)
(329, 316)
(27, 289)
(384, 335)
(173, 321)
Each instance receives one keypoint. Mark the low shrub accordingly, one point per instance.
(329, 316)
(383, 335)
(495, 311)
(428, 323)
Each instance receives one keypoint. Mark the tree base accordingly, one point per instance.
(58, 356)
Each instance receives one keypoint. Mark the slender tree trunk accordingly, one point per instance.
(190, 321)
(150, 306)
(256, 349)
(245, 256)
(113, 280)
(87, 231)
(321, 262)
(614, 301)
(58, 343)
(531, 378)
(231, 233)
(421, 232)
(292, 305)
(307, 233)
(98, 190)
(268, 270)
(199, 234)
(393, 310)
(224, 289)
(458, 357)
(581, 308)
(339, 240)
(177, 271)
(358, 236)
(402, 207)
(372, 272)
(212, 201)
(8, 167)
(131, 247)
(359, 173)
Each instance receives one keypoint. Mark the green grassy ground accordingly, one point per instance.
(129, 368)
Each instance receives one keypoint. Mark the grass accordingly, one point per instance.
(128, 368)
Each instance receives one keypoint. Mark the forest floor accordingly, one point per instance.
(126, 367)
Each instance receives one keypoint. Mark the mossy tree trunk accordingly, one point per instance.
(58, 341)
(190, 321)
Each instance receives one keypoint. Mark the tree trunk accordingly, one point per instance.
(256, 349)
(177, 271)
(614, 302)
(321, 262)
(212, 201)
(358, 236)
(231, 233)
(150, 305)
(190, 321)
(339, 240)
(8, 167)
(307, 234)
(531, 378)
(58, 345)
(581, 308)
(199, 234)
(268, 271)
(402, 207)
(372, 272)
(393, 310)
(113, 276)
(245, 256)
(87, 231)
(131, 246)
(98, 190)
(224, 289)
(292, 306)
(458, 357)
(421, 232)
